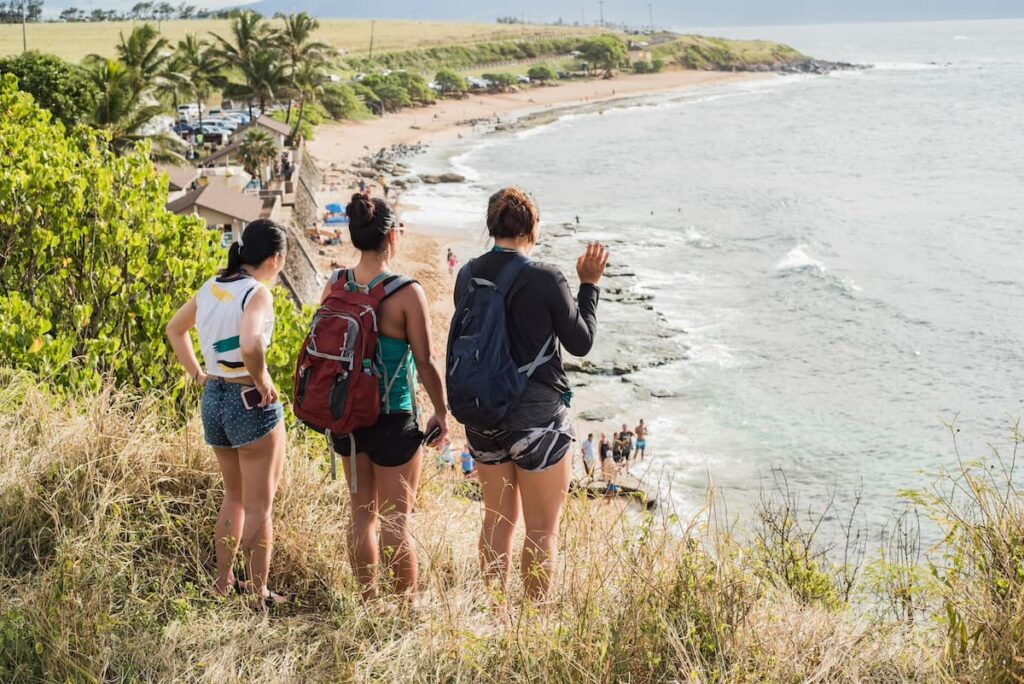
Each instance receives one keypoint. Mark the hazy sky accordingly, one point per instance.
(674, 13)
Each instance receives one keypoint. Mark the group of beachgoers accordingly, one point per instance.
(623, 448)
(521, 463)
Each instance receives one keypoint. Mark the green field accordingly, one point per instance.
(75, 41)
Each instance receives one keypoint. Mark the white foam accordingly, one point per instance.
(797, 259)
(906, 66)
(695, 239)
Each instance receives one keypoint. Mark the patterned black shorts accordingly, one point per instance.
(530, 448)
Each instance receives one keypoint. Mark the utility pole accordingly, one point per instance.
(372, 23)
(650, 12)
(600, 4)
(24, 19)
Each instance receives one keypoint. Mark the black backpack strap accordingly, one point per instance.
(392, 284)
(465, 277)
(339, 274)
(507, 277)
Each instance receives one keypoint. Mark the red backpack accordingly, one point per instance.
(336, 389)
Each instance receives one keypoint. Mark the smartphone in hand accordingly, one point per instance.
(251, 398)
(432, 435)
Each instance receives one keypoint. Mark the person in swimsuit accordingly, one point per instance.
(233, 314)
(389, 455)
(605, 450)
(641, 440)
(521, 464)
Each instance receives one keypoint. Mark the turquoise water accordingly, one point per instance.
(834, 261)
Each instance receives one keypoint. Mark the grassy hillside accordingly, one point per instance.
(74, 41)
(106, 507)
(723, 54)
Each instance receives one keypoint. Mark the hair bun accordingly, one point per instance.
(361, 208)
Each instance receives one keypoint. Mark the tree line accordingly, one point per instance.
(143, 11)
(31, 11)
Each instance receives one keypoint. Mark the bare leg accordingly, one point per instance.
(260, 465)
(543, 495)
(396, 493)
(501, 515)
(362, 527)
(228, 530)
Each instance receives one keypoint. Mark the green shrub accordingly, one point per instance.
(642, 67)
(61, 87)
(465, 56)
(341, 102)
(606, 52)
(501, 80)
(94, 265)
(542, 73)
(451, 82)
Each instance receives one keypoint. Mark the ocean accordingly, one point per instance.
(814, 276)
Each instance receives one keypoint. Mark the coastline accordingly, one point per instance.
(340, 147)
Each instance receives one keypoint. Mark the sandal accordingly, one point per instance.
(271, 601)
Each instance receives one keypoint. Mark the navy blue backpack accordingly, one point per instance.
(484, 382)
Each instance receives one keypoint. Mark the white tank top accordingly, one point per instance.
(219, 307)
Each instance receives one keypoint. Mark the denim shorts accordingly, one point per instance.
(227, 423)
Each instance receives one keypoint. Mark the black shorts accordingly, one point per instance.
(392, 442)
(536, 435)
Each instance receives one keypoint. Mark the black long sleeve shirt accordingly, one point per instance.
(538, 305)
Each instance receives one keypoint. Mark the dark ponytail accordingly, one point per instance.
(370, 219)
(260, 240)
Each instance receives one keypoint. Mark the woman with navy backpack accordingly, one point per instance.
(511, 390)
(384, 470)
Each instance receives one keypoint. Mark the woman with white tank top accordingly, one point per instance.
(233, 313)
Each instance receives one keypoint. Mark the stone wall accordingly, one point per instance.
(300, 275)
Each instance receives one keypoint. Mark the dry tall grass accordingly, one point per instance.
(106, 508)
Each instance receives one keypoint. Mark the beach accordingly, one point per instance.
(338, 146)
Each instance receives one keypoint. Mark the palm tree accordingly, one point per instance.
(309, 82)
(265, 77)
(172, 81)
(256, 151)
(295, 41)
(202, 66)
(145, 52)
(250, 35)
(123, 112)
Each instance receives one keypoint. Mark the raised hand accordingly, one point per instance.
(591, 264)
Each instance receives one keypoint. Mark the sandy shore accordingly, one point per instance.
(338, 146)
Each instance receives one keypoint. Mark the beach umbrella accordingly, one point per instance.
(334, 208)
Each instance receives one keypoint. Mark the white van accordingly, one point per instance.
(188, 111)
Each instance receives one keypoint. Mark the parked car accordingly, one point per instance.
(228, 125)
(189, 111)
(211, 134)
(522, 78)
(241, 117)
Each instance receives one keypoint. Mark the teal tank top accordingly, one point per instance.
(398, 369)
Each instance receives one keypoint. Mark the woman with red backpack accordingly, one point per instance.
(384, 473)
(507, 384)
